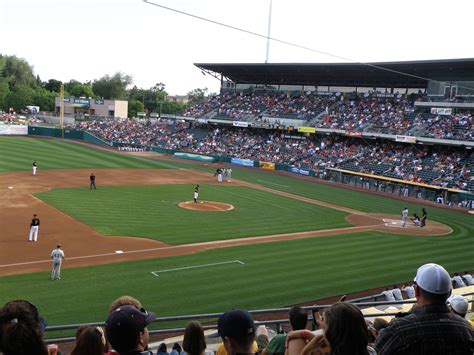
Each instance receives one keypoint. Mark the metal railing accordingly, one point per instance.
(213, 316)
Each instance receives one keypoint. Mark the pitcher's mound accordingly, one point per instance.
(209, 206)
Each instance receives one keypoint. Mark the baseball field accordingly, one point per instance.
(284, 241)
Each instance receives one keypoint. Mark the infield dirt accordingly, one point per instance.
(85, 246)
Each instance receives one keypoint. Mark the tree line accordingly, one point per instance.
(20, 87)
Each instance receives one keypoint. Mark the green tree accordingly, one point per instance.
(78, 89)
(112, 87)
(135, 106)
(171, 107)
(18, 72)
(20, 97)
(197, 95)
(44, 99)
(53, 85)
(4, 87)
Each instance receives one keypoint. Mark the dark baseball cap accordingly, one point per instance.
(123, 326)
(236, 324)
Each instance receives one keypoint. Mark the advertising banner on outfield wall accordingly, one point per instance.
(353, 134)
(240, 124)
(405, 139)
(202, 120)
(267, 165)
(244, 162)
(441, 111)
(9, 130)
(306, 129)
(295, 170)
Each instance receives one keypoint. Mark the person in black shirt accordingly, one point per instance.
(424, 216)
(34, 227)
(92, 181)
(196, 193)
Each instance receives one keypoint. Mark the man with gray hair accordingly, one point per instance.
(430, 327)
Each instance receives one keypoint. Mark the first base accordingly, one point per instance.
(10, 187)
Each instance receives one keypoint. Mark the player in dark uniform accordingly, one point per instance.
(92, 181)
(196, 193)
(424, 217)
(34, 227)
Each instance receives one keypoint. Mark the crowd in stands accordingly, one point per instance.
(379, 114)
(439, 166)
(436, 324)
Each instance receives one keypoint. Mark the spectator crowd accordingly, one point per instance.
(448, 167)
(389, 114)
(436, 324)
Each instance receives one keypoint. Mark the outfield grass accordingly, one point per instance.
(153, 212)
(274, 274)
(19, 153)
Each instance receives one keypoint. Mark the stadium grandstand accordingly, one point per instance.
(359, 124)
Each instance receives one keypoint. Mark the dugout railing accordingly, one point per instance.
(209, 319)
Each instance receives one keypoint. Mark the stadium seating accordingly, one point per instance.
(435, 165)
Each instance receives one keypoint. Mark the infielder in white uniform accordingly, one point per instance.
(34, 227)
(404, 216)
(35, 166)
(58, 256)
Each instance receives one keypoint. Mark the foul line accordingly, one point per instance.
(155, 273)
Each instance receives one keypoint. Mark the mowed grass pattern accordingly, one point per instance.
(274, 274)
(17, 154)
(153, 212)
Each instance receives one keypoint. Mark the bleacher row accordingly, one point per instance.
(394, 115)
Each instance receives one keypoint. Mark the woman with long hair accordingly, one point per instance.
(90, 341)
(194, 342)
(344, 332)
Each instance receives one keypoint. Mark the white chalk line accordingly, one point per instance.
(156, 273)
(272, 183)
(342, 230)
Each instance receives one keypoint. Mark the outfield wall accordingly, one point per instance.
(366, 181)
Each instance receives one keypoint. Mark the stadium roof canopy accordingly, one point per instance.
(347, 74)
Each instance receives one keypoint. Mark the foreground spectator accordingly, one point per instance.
(126, 330)
(458, 281)
(90, 341)
(345, 332)
(409, 290)
(21, 329)
(298, 321)
(237, 330)
(375, 327)
(458, 305)
(397, 293)
(176, 349)
(194, 342)
(125, 301)
(467, 277)
(162, 350)
(430, 328)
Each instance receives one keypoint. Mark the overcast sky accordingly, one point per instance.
(86, 39)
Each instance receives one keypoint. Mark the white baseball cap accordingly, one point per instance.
(433, 278)
(459, 304)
